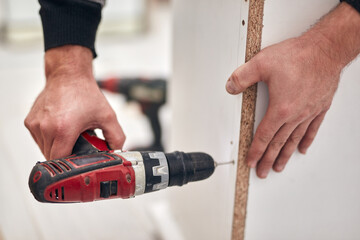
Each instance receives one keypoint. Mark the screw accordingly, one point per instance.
(87, 180)
(128, 178)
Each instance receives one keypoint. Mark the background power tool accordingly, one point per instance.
(94, 172)
(149, 93)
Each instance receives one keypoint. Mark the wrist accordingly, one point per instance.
(323, 50)
(68, 63)
(337, 35)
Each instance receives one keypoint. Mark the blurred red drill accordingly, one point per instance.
(149, 93)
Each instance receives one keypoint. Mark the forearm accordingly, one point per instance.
(70, 22)
(338, 34)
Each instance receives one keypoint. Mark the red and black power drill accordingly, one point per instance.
(149, 93)
(94, 172)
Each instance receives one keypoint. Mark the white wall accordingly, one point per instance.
(207, 48)
(23, 23)
(317, 196)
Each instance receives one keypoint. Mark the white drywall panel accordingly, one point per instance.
(209, 43)
(317, 195)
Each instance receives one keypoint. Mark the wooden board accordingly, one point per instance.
(253, 46)
(209, 43)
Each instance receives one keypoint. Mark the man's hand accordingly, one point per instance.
(70, 103)
(302, 75)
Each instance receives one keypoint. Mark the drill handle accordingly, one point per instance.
(88, 142)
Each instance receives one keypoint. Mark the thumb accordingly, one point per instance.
(242, 78)
(113, 133)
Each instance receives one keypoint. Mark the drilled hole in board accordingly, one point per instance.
(243, 22)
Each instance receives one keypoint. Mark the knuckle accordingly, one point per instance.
(120, 139)
(109, 116)
(44, 126)
(60, 128)
(30, 124)
(236, 79)
(263, 137)
(284, 111)
(304, 115)
(255, 153)
(267, 162)
(295, 138)
(276, 144)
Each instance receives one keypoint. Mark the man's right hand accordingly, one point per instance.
(70, 104)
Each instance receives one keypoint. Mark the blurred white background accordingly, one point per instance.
(315, 198)
(134, 39)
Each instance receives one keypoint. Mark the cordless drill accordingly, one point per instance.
(149, 93)
(94, 172)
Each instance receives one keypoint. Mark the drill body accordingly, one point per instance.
(94, 172)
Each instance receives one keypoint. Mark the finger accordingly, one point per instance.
(243, 77)
(263, 135)
(273, 149)
(113, 132)
(291, 145)
(63, 144)
(48, 140)
(34, 129)
(311, 132)
(39, 142)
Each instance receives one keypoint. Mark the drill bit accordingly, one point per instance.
(224, 163)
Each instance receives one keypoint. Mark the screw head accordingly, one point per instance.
(128, 178)
(87, 180)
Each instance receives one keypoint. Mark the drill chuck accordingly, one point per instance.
(189, 167)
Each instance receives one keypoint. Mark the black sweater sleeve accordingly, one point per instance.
(70, 22)
(354, 3)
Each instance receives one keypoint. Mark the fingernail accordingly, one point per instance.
(279, 168)
(264, 174)
(303, 150)
(230, 87)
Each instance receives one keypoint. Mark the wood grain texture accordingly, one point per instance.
(253, 46)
